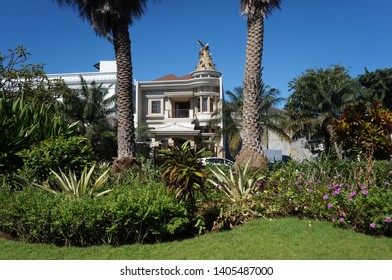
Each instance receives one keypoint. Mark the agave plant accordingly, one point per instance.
(77, 188)
(238, 184)
(183, 172)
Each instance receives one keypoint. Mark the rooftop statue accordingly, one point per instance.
(205, 60)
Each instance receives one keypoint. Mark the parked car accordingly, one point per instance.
(215, 161)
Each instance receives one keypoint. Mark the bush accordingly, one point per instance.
(128, 214)
(23, 124)
(61, 152)
(338, 191)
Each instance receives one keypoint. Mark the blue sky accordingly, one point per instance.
(303, 34)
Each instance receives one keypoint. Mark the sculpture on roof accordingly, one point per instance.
(205, 60)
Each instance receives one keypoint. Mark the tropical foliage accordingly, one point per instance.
(183, 172)
(318, 97)
(378, 85)
(94, 109)
(238, 184)
(75, 188)
(65, 152)
(23, 124)
(365, 130)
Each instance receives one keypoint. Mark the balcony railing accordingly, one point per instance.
(180, 113)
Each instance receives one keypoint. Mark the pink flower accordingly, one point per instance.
(353, 193)
(329, 205)
(372, 225)
(337, 191)
(333, 220)
(388, 219)
(365, 192)
(363, 187)
(325, 197)
(350, 199)
(341, 220)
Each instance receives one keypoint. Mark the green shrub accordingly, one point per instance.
(23, 124)
(336, 190)
(183, 172)
(61, 152)
(241, 201)
(75, 188)
(129, 214)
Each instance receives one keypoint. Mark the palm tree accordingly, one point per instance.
(256, 11)
(273, 119)
(111, 19)
(319, 97)
(232, 111)
(91, 107)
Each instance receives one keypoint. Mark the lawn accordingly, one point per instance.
(279, 239)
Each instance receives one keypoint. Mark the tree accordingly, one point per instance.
(232, 126)
(17, 78)
(365, 130)
(378, 85)
(91, 107)
(319, 97)
(273, 119)
(251, 151)
(111, 19)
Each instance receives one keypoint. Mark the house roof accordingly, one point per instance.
(171, 77)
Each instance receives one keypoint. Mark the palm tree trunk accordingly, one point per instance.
(251, 118)
(126, 128)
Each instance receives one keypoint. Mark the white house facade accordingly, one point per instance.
(173, 109)
(176, 109)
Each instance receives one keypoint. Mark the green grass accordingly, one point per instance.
(280, 239)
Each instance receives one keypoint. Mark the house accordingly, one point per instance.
(176, 109)
(171, 109)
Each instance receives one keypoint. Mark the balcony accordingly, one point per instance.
(179, 113)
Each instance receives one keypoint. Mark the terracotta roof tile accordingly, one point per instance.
(171, 77)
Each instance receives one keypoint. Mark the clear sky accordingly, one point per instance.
(303, 34)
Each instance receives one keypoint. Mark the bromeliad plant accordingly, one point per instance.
(242, 190)
(77, 188)
(238, 184)
(183, 172)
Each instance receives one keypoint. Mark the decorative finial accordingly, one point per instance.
(205, 60)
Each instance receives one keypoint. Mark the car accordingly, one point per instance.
(215, 161)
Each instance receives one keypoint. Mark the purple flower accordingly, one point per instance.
(372, 225)
(388, 219)
(350, 199)
(363, 187)
(341, 220)
(353, 193)
(329, 205)
(365, 192)
(333, 220)
(325, 197)
(337, 191)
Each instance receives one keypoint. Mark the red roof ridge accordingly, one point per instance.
(171, 77)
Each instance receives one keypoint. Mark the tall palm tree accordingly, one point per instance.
(111, 19)
(273, 119)
(256, 11)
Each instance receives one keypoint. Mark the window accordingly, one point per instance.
(156, 107)
(205, 104)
